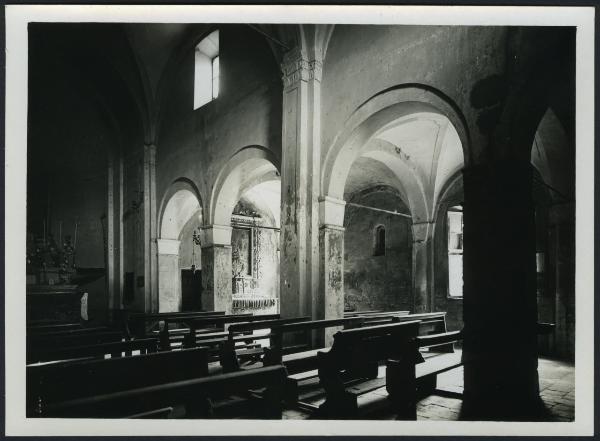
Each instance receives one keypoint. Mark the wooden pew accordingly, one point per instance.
(138, 324)
(37, 345)
(43, 329)
(114, 349)
(52, 383)
(182, 335)
(350, 368)
(196, 395)
(194, 324)
(302, 366)
(305, 360)
(230, 358)
(440, 358)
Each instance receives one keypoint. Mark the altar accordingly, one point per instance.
(55, 304)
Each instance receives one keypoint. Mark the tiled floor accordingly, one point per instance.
(557, 389)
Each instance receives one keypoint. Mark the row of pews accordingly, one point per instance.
(213, 365)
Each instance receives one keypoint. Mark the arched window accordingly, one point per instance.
(206, 70)
(379, 249)
(455, 251)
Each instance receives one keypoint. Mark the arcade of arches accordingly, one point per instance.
(338, 168)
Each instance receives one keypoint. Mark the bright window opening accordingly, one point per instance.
(206, 70)
(455, 251)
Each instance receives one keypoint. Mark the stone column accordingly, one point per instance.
(300, 173)
(331, 250)
(114, 234)
(562, 245)
(216, 268)
(169, 276)
(150, 251)
(422, 266)
(500, 311)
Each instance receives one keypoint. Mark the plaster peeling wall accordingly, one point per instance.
(377, 282)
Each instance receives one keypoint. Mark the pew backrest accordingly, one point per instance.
(115, 349)
(357, 352)
(43, 329)
(264, 324)
(45, 342)
(70, 380)
(189, 392)
(139, 323)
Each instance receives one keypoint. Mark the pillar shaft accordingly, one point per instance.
(562, 241)
(149, 230)
(216, 268)
(422, 266)
(169, 276)
(300, 172)
(330, 301)
(115, 233)
(500, 311)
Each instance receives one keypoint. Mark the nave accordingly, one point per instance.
(290, 221)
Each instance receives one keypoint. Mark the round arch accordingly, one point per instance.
(181, 201)
(249, 167)
(375, 114)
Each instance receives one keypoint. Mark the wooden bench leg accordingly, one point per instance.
(273, 403)
(401, 386)
(426, 386)
(228, 357)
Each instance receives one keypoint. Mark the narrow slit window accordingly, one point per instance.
(379, 249)
(206, 70)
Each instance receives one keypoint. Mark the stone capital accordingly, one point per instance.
(331, 211)
(315, 70)
(215, 235)
(422, 231)
(168, 246)
(294, 68)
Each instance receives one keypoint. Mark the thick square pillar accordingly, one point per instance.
(500, 310)
(422, 266)
(216, 268)
(300, 189)
(562, 249)
(331, 251)
(169, 276)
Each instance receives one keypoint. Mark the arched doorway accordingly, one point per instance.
(181, 215)
(245, 208)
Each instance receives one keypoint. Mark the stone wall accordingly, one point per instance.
(196, 144)
(377, 282)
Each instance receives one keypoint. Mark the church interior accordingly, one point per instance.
(301, 221)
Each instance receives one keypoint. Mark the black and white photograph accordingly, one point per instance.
(236, 220)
